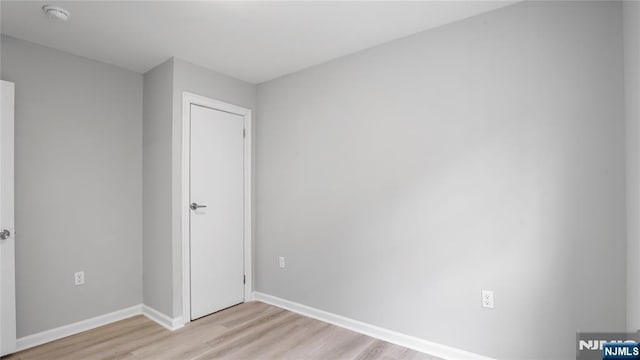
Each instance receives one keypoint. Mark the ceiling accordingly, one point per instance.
(252, 41)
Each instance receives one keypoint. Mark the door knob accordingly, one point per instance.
(4, 235)
(195, 206)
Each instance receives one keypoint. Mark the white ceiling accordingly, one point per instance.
(252, 41)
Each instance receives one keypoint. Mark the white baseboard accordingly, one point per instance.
(411, 342)
(77, 327)
(40, 338)
(162, 319)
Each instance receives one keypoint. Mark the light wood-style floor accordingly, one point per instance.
(252, 330)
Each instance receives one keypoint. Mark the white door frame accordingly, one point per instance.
(187, 100)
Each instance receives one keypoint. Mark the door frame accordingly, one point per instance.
(189, 99)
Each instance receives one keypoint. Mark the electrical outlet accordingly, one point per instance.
(487, 299)
(78, 278)
(281, 262)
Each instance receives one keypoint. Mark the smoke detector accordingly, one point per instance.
(56, 12)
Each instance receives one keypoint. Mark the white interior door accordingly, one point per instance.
(7, 238)
(217, 210)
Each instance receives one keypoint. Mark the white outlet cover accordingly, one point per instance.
(487, 299)
(282, 262)
(78, 278)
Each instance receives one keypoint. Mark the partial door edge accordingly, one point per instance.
(7, 221)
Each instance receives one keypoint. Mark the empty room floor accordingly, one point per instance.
(250, 330)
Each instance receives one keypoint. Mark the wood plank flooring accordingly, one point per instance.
(252, 330)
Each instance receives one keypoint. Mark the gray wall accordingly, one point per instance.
(632, 94)
(163, 88)
(78, 193)
(205, 82)
(486, 154)
(157, 270)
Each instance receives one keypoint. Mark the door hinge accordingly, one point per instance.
(244, 133)
(244, 279)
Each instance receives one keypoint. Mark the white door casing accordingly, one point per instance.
(7, 222)
(216, 172)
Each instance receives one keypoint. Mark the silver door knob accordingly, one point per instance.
(195, 206)
(5, 234)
